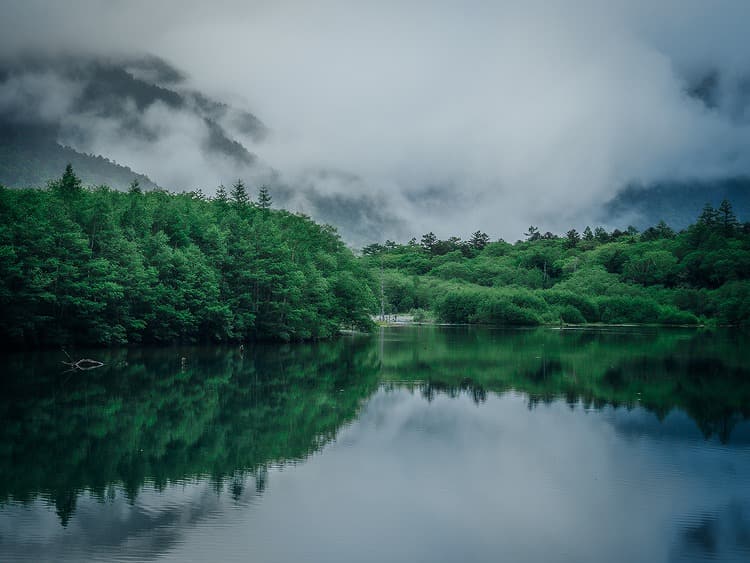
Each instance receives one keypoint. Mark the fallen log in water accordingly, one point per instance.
(82, 364)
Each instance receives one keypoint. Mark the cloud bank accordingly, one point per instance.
(444, 116)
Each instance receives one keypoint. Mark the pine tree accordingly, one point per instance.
(727, 218)
(239, 194)
(221, 194)
(532, 234)
(573, 238)
(428, 241)
(709, 216)
(69, 185)
(600, 233)
(479, 240)
(264, 198)
(588, 234)
(664, 230)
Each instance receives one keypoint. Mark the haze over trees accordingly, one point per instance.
(98, 266)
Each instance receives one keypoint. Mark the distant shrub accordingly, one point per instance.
(453, 271)
(499, 310)
(671, 315)
(458, 306)
(584, 305)
(569, 314)
(733, 302)
(420, 315)
(526, 299)
(621, 309)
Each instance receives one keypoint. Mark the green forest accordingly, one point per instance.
(700, 275)
(98, 266)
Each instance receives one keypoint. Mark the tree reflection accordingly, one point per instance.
(703, 374)
(144, 419)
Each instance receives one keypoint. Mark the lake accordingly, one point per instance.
(413, 444)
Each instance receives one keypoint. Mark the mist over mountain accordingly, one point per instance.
(87, 110)
(134, 110)
(31, 156)
(677, 203)
(389, 120)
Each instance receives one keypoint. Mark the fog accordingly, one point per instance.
(443, 116)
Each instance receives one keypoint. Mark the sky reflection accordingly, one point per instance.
(440, 480)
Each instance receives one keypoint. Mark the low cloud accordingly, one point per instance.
(443, 116)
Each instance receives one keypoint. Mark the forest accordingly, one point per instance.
(700, 275)
(97, 266)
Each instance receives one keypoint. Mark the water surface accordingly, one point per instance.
(415, 444)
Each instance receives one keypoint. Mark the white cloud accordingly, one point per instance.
(511, 112)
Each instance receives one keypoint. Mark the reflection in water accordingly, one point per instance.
(704, 374)
(145, 419)
(472, 445)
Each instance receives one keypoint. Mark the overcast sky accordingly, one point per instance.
(459, 114)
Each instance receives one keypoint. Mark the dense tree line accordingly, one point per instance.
(699, 275)
(98, 266)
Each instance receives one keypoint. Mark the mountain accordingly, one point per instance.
(58, 110)
(30, 156)
(677, 203)
(116, 120)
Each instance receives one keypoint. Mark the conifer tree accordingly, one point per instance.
(573, 238)
(221, 194)
(428, 241)
(709, 216)
(479, 240)
(533, 233)
(239, 194)
(69, 185)
(727, 218)
(264, 198)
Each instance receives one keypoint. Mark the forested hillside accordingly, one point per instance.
(699, 275)
(103, 267)
(31, 156)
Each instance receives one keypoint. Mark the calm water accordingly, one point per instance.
(416, 444)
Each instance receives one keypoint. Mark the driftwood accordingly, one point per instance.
(83, 364)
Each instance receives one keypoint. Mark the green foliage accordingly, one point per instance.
(105, 267)
(627, 309)
(567, 302)
(239, 194)
(479, 240)
(264, 198)
(658, 276)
